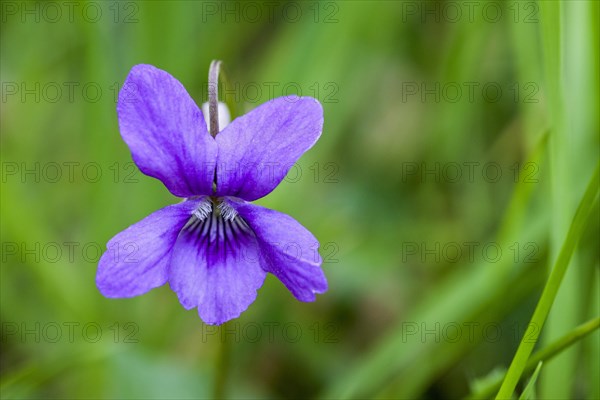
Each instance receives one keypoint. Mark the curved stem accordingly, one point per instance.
(217, 74)
(213, 97)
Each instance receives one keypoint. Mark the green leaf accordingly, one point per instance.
(529, 392)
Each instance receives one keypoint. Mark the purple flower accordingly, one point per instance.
(214, 248)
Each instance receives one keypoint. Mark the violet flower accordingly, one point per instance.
(214, 248)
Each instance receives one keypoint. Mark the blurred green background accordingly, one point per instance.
(458, 140)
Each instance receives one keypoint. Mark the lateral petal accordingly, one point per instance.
(137, 259)
(288, 250)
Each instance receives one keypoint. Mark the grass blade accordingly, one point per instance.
(550, 290)
(545, 355)
(529, 391)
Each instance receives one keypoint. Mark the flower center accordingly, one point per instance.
(217, 226)
(215, 206)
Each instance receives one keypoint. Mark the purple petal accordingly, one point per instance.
(137, 259)
(166, 132)
(288, 250)
(215, 267)
(257, 150)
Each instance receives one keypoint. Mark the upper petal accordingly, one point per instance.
(215, 267)
(288, 250)
(166, 132)
(137, 258)
(257, 149)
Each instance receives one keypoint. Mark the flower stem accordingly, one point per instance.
(217, 74)
(222, 365)
(213, 97)
(542, 309)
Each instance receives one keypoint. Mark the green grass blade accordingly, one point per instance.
(550, 290)
(529, 391)
(544, 355)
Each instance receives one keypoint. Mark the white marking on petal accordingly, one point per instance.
(227, 211)
(203, 209)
